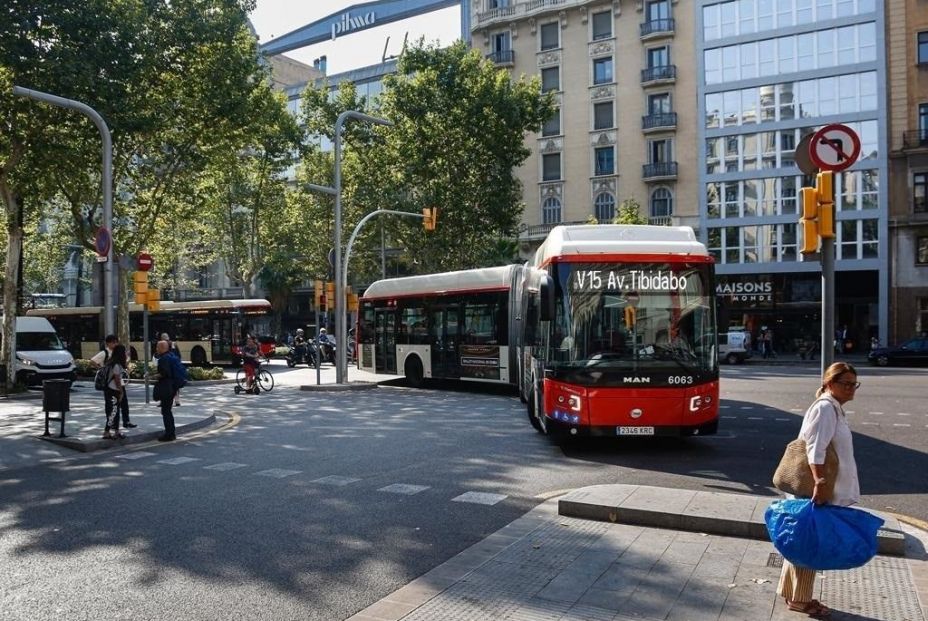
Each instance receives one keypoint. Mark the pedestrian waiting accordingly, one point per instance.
(98, 361)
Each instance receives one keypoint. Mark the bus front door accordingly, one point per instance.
(385, 344)
(445, 340)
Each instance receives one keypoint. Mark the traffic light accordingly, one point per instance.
(430, 218)
(317, 293)
(140, 286)
(631, 316)
(153, 299)
(818, 212)
(330, 296)
(352, 302)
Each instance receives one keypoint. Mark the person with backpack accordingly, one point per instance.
(98, 361)
(180, 372)
(113, 391)
(165, 390)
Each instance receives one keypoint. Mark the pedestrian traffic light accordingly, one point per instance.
(317, 293)
(818, 215)
(140, 286)
(430, 217)
(153, 300)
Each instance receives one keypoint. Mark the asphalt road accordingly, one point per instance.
(318, 504)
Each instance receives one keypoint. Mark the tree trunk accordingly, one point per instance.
(122, 306)
(14, 249)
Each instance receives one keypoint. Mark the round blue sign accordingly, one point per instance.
(103, 241)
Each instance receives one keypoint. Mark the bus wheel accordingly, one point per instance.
(413, 370)
(534, 417)
(198, 357)
(731, 359)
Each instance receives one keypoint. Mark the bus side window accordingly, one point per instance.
(530, 320)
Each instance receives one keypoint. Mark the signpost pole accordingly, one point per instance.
(145, 346)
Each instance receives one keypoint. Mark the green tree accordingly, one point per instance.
(629, 212)
(458, 134)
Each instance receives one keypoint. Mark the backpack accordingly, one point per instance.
(178, 371)
(102, 377)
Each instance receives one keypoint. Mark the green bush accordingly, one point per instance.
(137, 369)
(84, 368)
(199, 373)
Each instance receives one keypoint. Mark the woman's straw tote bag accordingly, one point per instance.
(794, 476)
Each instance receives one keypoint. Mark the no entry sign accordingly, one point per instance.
(144, 262)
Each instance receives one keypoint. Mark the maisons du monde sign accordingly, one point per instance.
(745, 291)
(348, 22)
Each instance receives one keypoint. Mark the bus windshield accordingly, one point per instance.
(641, 318)
(38, 341)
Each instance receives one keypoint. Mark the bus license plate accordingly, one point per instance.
(635, 431)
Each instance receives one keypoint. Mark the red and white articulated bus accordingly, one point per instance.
(619, 335)
(610, 331)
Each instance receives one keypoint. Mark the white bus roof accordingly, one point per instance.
(166, 306)
(593, 239)
(481, 279)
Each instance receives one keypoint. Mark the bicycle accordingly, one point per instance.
(264, 381)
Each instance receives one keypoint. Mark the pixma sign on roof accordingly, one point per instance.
(348, 22)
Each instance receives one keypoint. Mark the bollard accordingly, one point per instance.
(56, 397)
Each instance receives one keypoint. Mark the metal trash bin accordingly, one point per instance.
(56, 397)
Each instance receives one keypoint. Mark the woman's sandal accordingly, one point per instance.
(813, 608)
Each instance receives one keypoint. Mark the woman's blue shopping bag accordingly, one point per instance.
(822, 536)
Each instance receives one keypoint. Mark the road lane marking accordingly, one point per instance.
(403, 488)
(870, 423)
(904, 414)
(479, 498)
(876, 413)
(335, 480)
(176, 461)
(728, 417)
(135, 455)
(277, 473)
(901, 425)
(228, 465)
(781, 419)
(755, 418)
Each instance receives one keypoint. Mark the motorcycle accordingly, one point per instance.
(301, 354)
(327, 350)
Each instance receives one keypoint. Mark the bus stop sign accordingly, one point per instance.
(144, 262)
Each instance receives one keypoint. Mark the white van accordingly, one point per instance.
(734, 346)
(40, 354)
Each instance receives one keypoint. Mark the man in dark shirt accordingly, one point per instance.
(166, 380)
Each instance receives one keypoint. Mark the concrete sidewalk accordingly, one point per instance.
(551, 566)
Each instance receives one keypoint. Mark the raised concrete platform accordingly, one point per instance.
(350, 386)
(715, 513)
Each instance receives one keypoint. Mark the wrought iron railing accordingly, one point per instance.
(503, 57)
(659, 169)
(915, 138)
(652, 121)
(655, 26)
(661, 72)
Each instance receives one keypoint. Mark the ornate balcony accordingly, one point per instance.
(660, 220)
(505, 58)
(540, 231)
(659, 171)
(659, 75)
(653, 122)
(656, 28)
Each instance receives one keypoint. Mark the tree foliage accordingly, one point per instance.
(629, 212)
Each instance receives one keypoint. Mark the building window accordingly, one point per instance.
(923, 123)
(602, 25)
(501, 42)
(605, 160)
(550, 36)
(923, 48)
(658, 57)
(602, 115)
(602, 70)
(657, 10)
(921, 321)
(551, 211)
(661, 203)
(550, 79)
(497, 4)
(659, 151)
(551, 167)
(552, 126)
(659, 104)
(920, 192)
(604, 206)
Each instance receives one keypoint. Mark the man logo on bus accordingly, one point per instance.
(636, 380)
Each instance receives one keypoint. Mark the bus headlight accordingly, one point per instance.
(574, 403)
(29, 362)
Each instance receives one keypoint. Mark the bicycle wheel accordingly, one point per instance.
(240, 380)
(265, 380)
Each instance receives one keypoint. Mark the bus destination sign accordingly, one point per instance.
(628, 280)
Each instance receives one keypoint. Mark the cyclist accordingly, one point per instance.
(250, 362)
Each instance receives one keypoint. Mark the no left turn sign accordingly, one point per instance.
(834, 147)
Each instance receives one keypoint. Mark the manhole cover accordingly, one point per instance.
(774, 560)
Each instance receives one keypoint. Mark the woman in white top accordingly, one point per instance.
(824, 423)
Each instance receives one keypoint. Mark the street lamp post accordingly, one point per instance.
(109, 313)
(341, 332)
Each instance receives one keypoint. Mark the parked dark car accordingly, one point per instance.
(913, 352)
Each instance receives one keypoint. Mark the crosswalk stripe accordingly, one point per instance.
(277, 473)
(229, 465)
(176, 461)
(403, 488)
(135, 455)
(479, 498)
(335, 480)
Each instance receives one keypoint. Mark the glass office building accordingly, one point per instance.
(772, 71)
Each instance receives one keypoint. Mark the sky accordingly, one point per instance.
(274, 18)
